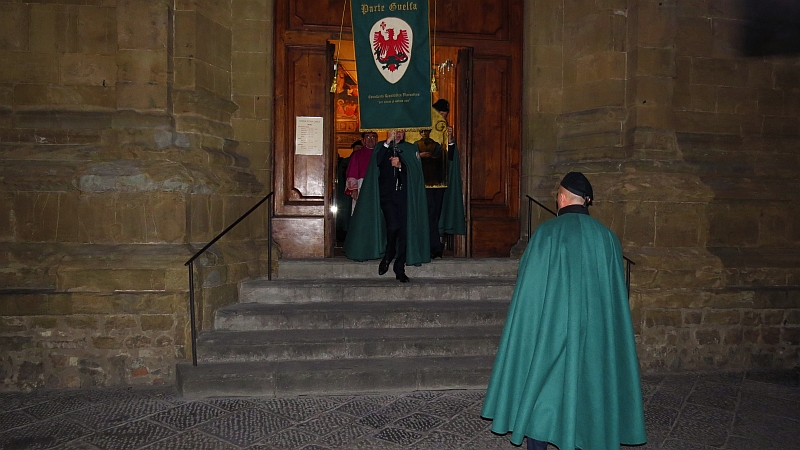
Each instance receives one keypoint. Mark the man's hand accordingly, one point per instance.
(390, 137)
(354, 194)
(450, 137)
(395, 160)
(425, 154)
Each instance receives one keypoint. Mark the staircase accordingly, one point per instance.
(335, 326)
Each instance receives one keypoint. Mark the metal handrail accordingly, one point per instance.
(628, 261)
(190, 263)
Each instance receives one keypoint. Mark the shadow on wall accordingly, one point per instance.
(771, 27)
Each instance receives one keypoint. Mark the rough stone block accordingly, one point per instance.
(97, 30)
(142, 66)
(703, 98)
(213, 43)
(81, 321)
(679, 224)
(733, 100)
(250, 36)
(114, 323)
(751, 318)
(780, 126)
(773, 317)
(661, 24)
(706, 122)
(139, 96)
(667, 318)
(590, 68)
(35, 304)
(654, 91)
(713, 317)
(727, 38)
(106, 342)
(250, 62)
(14, 22)
(656, 62)
(719, 72)
(110, 280)
(761, 75)
(249, 83)
(639, 224)
(35, 216)
(707, 337)
(28, 67)
(162, 322)
(694, 36)
(142, 24)
(250, 130)
(733, 336)
(770, 335)
(594, 95)
(692, 317)
(791, 336)
(44, 322)
(92, 70)
(793, 317)
(255, 9)
(770, 102)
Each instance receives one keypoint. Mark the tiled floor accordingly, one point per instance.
(752, 411)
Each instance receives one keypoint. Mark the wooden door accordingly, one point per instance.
(490, 110)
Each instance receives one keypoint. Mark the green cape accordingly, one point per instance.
(566, 370)
(366, 234)
(451, 220)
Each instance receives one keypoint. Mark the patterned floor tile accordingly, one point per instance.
(398, 436)
(770, 405)
(230, 404)
(675, 444)
(717, 395)
(246, 427)
(326, 423)
(372, 443)
(446, 406)
(467, 424)
(376, 420)
(132, 435)
(297, 409)
(77, 445)
(109, 415)
(14, 419)
(187, 415)
(342, 437)
(402, 407)
(424, 395)
(419, 422)
(789, 378)
(57, 406)
(359, 407)
(44, 434)
(285, 440)
(192, 439)
(437, 440)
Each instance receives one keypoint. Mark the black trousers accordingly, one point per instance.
(395, 211)
(435, 198)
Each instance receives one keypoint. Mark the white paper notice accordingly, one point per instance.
(308, 136)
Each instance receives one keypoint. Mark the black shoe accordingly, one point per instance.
(435, 255)
(383, 267)
(401, 277)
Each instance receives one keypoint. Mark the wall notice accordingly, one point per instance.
(308, 136)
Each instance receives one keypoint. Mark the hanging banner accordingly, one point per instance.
(393, 62)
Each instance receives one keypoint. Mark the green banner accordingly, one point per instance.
(393, 61)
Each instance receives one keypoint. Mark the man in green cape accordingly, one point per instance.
(390, 219)
(566, 371)
(451, 219)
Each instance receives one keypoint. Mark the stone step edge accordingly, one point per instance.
(344, 376)
(259, 338)
(377, 281)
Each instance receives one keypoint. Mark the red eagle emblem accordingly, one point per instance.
(391, 52)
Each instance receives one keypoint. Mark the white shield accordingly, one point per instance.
(392, 40)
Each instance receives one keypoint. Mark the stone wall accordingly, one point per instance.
(120, 126)
(692, 149)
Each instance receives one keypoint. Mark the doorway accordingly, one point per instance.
(451, 67)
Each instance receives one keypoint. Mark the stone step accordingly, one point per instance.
(331, 344)
(338, 268)
(384, 288)
(344, 315)
(342, 376)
